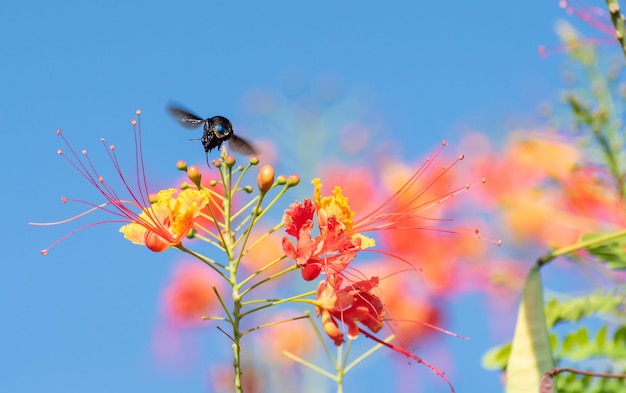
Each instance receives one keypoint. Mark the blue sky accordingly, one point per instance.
(80, 318)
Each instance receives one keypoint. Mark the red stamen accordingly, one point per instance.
(120, 207)
(406, 353)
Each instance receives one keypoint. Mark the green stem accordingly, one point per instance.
(272, 277)
(243, 209)
(618, 22)
(309, 365)
(367, 353)
(276, 302)
(596, 241)
(263, 237)
(208, 261)
(272, 324)
(339, 366)
(248, 231)
(207, 240)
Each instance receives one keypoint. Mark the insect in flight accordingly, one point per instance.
(217, 130)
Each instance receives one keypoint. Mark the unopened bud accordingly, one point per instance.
(181, 165)
(265, 179)
(254, 160)
(194, 174)
(293, 180)
(230, 161)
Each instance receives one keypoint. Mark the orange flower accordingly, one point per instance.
(351, 305)
(189, 295)
(413, 315)
(158, 225)
(355, 305)
(341, 236)
(530, 158)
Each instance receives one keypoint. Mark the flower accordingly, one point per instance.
(351, 305)
(411, 310)
(167, 220)
(189, 295)
(185, 299)
(354, 305)
(341, 236)
(158, 222)
(332, 251)
(546, 191)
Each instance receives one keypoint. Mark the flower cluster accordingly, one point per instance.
(323, 237)
(347, 297)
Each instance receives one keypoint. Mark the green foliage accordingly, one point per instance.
(578, 308)
(575, 383)
(497, 358)
(580, 345)
(596, 103)
(576, 345)
(612, 252)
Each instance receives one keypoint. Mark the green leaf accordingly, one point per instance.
(531, 355)
(576, 309)
(579, 346)
(620, 336)
(497, 358)
(601, 336)
(612, 252)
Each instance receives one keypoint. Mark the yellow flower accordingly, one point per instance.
(167, 220)
(335, 206)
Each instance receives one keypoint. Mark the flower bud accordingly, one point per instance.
(230, 161)
(281, 180)
(293, 180)
(254, 160)
(265, 180)
(194, 174)
(181, 165)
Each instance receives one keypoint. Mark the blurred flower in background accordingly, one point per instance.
(325, 131)
(186, 298)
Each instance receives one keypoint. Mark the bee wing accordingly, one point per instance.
(184, 117)
(241, 145)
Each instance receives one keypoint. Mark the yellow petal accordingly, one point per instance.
(366, 242)
(134, 232)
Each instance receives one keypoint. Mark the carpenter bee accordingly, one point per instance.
(217, 130)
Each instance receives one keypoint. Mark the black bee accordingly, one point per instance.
(217, 130)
